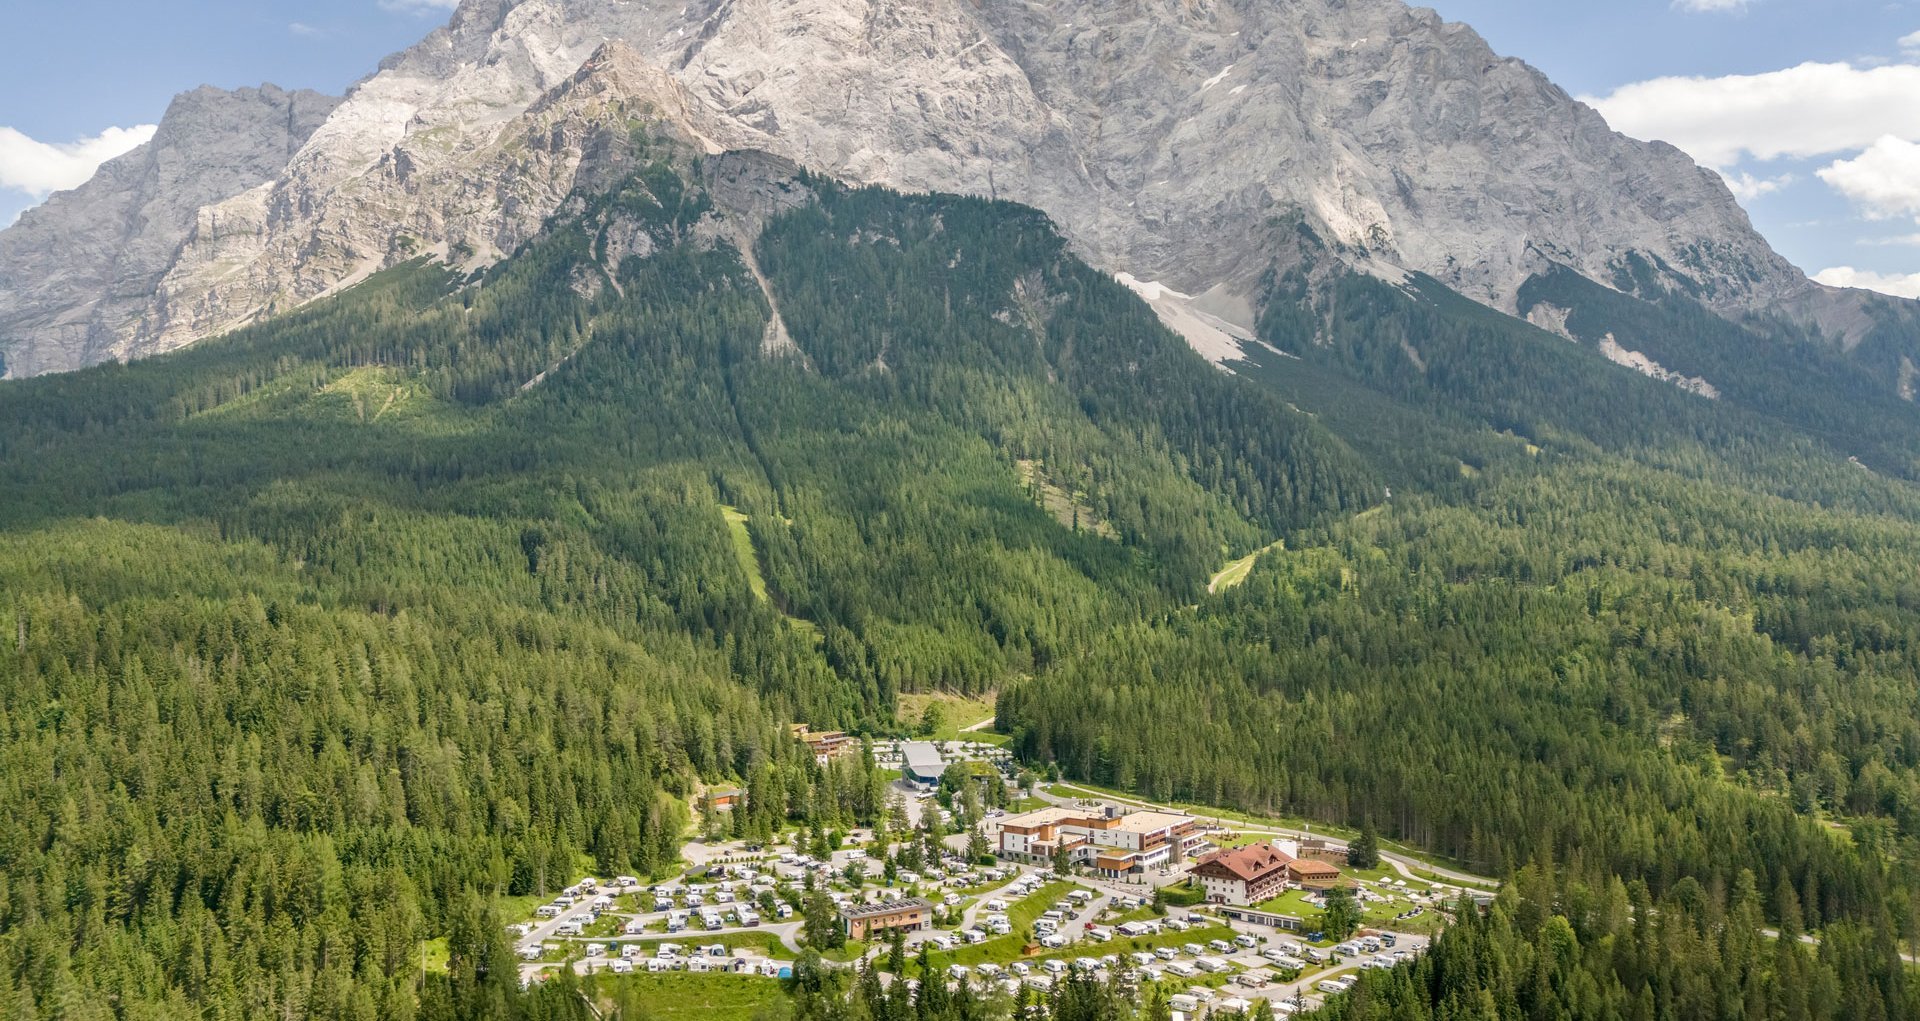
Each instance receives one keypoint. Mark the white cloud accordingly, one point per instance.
(1884, 180)
(1910, 43)
(301, 28)
(1896, 285)
(1901, 240)
(1804, 111)
(1747, 187)
(1710, 6)
(39, 168)
(418, 6)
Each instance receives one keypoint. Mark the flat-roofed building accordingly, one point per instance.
(1105, 838)
(863, 920)
(922, 763)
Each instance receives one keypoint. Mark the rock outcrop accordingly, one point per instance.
(78, 274)
(1182, 142)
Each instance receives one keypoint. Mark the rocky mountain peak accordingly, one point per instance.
(78, 272)
(1177, 142)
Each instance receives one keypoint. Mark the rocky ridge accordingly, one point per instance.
(1182, 142)
(79, 272)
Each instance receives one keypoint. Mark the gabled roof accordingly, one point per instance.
(1248, 864)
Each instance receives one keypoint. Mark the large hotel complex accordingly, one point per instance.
(1102, 839)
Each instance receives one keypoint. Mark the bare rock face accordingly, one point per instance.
(78, 273)
(1183, 142)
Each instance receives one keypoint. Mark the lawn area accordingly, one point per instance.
(957, 711)
(1023, 912)
(850, 951)
(1139, 914)
(1294, 902)
(684, 996)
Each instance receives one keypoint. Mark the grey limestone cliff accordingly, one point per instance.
(79, 272)
(1175, 141)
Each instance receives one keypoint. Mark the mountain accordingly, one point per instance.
(1176, 143)
(509, 453)
(344, 633)
(79, 274)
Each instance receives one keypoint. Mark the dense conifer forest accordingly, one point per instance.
(320, 639)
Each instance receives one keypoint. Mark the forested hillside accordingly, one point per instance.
(426, 595)
(319, 639)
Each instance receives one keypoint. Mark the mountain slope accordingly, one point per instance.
(1170, 141)
(343, 624)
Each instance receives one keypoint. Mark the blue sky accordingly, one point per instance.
(1812, 107)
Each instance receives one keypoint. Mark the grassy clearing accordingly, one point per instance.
(749, 558)
(434, 956)
(1235, 573)
(1001, 949)
(1069, 508)
(743, 550)
(956, 711)
(684, 996)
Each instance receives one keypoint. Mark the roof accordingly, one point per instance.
(1249, 863)
(1040, 817)
(893, 907)
(923, 758)
(1312, 867)
(1150, 822)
